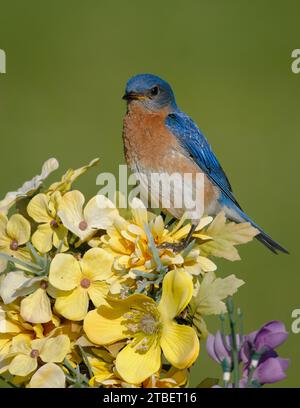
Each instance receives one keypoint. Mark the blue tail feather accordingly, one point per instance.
(262, 237)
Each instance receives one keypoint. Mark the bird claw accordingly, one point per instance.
(176, 247)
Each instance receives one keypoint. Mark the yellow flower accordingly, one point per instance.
(78, 281)
(50, 231)
(173, 378)
(151, 328)
(29, 187)
(35, 306)
(14, 234)
(98, 213)
(24, 353)
(11, 322)
(101, 362)
(10, 284)
(50, 375)
(69, 177)
(129, 243)
(128, 239)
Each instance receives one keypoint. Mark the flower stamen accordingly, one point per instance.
(85, 283)
(83, 225)
(14, 245)
(54, 224)
(148, 324)
(34, 353)
(44, 284)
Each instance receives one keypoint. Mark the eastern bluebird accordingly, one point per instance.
(159, 138)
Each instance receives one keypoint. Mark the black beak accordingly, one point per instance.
(130, 96)
(126, 97)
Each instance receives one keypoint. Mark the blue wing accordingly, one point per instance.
(198, 148)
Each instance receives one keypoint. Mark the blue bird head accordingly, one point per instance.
(150, 91)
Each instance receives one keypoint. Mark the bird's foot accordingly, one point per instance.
(175, 246)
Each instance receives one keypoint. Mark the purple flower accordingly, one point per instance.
(261, 363)
(271, 370)
(260, 345)
(216, 348)
(219, 350)
(269, 336)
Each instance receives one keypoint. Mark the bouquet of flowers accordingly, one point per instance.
(91, 295)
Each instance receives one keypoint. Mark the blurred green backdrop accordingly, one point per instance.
(229, 64)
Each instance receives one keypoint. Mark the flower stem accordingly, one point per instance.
(86, 362)
(234, 347)
(32, 267)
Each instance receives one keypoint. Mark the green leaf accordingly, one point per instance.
(208, 383)
(225, 235)
(213, 291)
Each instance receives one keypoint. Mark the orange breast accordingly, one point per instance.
(150, 148)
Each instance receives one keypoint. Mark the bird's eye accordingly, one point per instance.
(154, 91)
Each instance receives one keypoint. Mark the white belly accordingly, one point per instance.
(175, 194)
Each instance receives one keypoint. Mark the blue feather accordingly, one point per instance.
(197, 147)
(194, 142)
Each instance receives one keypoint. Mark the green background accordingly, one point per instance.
(229, 63)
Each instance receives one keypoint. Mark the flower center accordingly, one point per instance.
(83, 225)
(14, 245)
(85, 283)
(34, 353)
(143, 324)
(54, 224)
(148, 324)
(44, 284)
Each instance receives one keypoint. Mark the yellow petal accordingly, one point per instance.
(21, 344)
(97, 264)
(42, 238)
(139, 212)
(134, 367)
(100, 212)
(73, 305)
(36, 308)
(180, 344)
(206, 264)
(70, 211)
(55, 349)
(22, 254)
(203, 223)
(97, 292)
(3, 224)
(177, 292)
(38, 208)
(48, 376)
(9, 285)
(104, 325)
(193, 269)
(18, 228)
(3, 264)
(4, 245)
(4, 362)
(60, 234)
(65, 272)
(158, 227)
(6, 325)
(180, 233)
(22, 365)
(70, 176)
